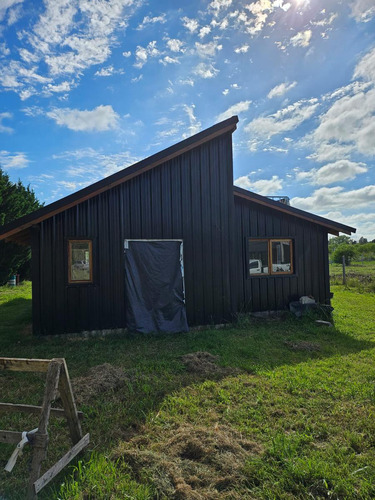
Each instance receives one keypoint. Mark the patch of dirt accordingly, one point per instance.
(302, 345)
(204, 364)
(101, 378)
(191, 462)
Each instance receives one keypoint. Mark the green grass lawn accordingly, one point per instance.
(291, 415)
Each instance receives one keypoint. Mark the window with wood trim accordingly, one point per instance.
(80, 261)
(270, 256)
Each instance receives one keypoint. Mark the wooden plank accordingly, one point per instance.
(10, 437)
(13, 408)
(58, 467)
(24, 364)
(66, 394)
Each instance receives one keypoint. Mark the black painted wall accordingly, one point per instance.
(189, 198)
(310, 248)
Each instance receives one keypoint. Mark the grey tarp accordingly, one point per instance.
(154, 287)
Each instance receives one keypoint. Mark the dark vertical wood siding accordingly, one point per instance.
(310, 248)
(189, 197)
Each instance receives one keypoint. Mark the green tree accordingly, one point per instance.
(344, 250)
(334, 242)
(16, 200)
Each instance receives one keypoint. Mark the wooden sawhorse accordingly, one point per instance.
(57, 379)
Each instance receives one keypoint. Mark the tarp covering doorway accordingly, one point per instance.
(154, 279)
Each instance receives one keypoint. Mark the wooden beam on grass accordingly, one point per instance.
(58, 467)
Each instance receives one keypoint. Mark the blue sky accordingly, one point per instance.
(88, 87)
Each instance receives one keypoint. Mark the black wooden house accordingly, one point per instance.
(170, 242)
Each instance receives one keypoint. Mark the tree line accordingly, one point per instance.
(16, 200)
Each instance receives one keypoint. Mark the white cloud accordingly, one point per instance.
(264, 187)
(348, 125)
(208, 49)
(328, 151)
(27, 56)
(4, 128)
(218, 5)
(205, 30)
(127, 53)
(69, 36)
(339, 171)
(327, 21)
(301, 39)
(242, 50)
(280, 90)
(363, 10)
(143, 53)
(7, 4)
(137, 79)
(13, 160)
(363, 222)
(97, 120)
(366, 67)
(205, 70)
(350, 121)
(186, 81)
(175, 45)
(239, 107)
(4, 50)
(190, 24)
(92, 165)
(284, 120)
(108, 71)
(152, 20)
(169, 60)
(195, 125)
(336, 198)
(15, 13)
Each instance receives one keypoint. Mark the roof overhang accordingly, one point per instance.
(19, 230)
(331, 226)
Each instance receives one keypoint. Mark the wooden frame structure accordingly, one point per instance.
(57, 379)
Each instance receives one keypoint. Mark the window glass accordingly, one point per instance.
(80, 261)
(270, 257)
(281, 256)
(258, 257)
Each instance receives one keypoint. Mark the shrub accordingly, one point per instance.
(346, 251)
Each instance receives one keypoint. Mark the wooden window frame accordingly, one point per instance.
(79, 282)
(269, 246)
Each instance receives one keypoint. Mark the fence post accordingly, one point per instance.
(343, 271)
